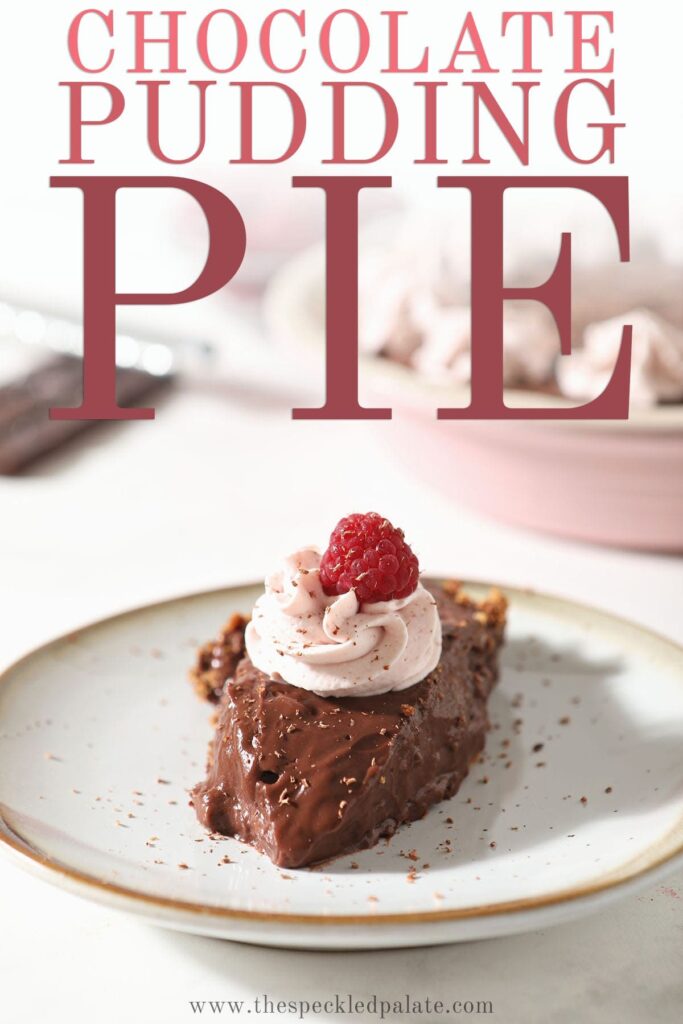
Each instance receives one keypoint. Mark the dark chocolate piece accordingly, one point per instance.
(26, 430)
(306, 778)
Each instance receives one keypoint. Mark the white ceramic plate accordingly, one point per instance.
(579, 798)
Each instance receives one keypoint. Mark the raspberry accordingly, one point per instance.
(369, 555)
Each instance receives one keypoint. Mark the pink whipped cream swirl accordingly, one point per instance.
(333, 645)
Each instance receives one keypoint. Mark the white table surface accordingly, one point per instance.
(209, 494)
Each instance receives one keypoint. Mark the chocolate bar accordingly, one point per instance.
(26, 431)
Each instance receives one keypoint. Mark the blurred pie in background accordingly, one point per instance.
(415, 312)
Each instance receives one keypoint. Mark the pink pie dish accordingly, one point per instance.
(618, 483)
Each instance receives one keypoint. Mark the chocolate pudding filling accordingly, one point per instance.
(305, 778)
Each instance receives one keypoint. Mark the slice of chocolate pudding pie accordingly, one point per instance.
(353, 700)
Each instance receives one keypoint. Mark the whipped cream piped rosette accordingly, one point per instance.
(355, 621)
